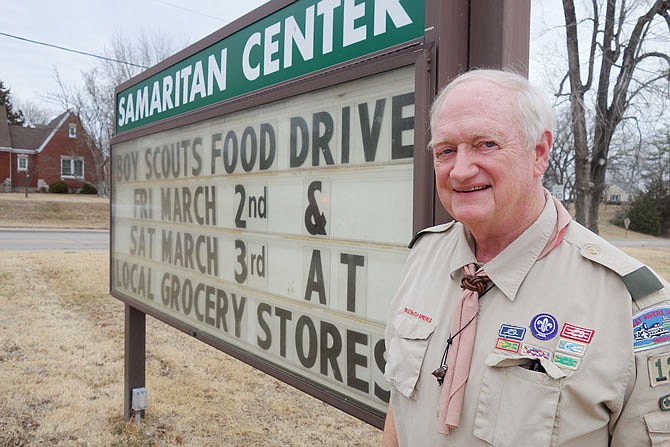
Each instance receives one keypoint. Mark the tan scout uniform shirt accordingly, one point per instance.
(569, 311)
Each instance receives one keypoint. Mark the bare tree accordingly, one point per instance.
(656, 166)
(623, 62)
(561, 170)
(628, 150)
(93, 100)
(34, 114)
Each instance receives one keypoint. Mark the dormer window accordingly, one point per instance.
(72, 131)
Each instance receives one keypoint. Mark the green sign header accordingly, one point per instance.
(304, 37)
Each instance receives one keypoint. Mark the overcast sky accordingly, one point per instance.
(28, 69)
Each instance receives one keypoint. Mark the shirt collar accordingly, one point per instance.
(509, 269)
(463, 253)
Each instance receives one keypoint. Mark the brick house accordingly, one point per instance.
(43, 155)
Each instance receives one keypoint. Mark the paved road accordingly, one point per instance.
(642, 243)
(57, 239)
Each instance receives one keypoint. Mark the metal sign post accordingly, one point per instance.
(134, 362)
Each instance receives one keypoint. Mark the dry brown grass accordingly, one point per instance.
(61, 363)
(657, 258)
(42, 210)
(61, 359)
(612, 232)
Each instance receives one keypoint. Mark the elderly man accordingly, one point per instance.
(515, 326)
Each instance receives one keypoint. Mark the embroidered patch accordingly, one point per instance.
(512, 332)
(664, 403)
(659, 369)
(651, 328)
(571, 347)
(577, 333)
(543, 326)
(508, 345)
(534, 351)
(567, 361)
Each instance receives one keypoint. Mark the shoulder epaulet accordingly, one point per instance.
(637, 277)
(436, 229)
(641, 282)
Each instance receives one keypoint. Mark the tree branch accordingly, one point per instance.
(594, 44)
(629, 64)
(657, 54)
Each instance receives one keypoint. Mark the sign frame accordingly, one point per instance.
(404, 55)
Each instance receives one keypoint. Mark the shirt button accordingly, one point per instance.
(593, 250)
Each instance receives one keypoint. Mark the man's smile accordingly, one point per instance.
(472, 189)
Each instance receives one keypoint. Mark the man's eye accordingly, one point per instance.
(488, 145)
(444, 152)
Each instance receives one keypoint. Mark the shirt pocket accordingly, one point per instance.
(407, 350)
(658, 427)
(517, 407)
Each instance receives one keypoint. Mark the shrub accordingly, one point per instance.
(88, 189)
(59, 188)
(645, 216)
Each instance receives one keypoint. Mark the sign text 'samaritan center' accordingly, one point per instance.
(302, 38)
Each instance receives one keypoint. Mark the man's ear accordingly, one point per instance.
(542, 149)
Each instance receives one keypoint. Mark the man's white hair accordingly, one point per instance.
(532, 109)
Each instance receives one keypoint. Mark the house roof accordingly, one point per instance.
(27, 138)
(56, 121)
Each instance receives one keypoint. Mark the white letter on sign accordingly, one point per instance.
(394, 10)
(251, 73)
(351, 34)
(326, 9)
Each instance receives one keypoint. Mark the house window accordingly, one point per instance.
(22, 163)
(71, 167)
(72, 131)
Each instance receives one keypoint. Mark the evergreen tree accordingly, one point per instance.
(650, 211)
(13, 116)
(659, 192)
(644, 216)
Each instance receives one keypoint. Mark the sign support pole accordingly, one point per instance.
(134, 364)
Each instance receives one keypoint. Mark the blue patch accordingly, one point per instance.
(651, 328)
(543, 327)
(512, 332)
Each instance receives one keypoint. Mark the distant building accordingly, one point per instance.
(43, 155)
(617, 194)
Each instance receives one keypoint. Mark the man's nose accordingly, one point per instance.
(464, 163)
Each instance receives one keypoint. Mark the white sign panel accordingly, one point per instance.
(280, 230)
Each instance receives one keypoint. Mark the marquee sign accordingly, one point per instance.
(280, 230)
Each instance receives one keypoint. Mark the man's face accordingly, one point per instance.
(486, 176)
